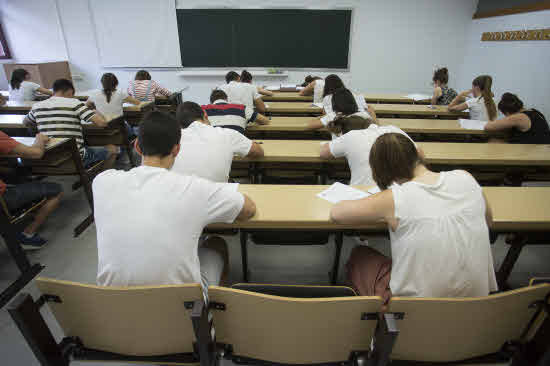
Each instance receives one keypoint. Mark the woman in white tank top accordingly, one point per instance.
(438, 224)
(314, 85)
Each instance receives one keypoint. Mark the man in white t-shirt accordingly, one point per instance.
(207, 151)
(247, 94)
(149, 220)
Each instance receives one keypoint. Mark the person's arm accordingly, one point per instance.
(44, 91)
(131, 100)
(99, 120)
(375, 208)
(248, 210)
(256, 151)
(325, 152)
(259, 104)
(308, 90)
(263, 91)
(436, 94)
(314, 124)
(261, 119)
(36, 151)
(157, 89)
(458, 103)
(519, 120)
(372, 113)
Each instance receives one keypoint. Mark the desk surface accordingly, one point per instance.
(26, 106)
(297, 206)
(307, 151)
(53, 142)
(369, 97)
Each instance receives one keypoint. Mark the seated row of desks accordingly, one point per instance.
(161, 99)
(382, 110)
(389, 98)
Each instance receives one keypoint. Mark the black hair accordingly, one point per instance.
(343, 101)
(231, 76)
(217, 94)
(17, 77)
(159, 132)
(143, 75)
(309, 79)
(246, 77)
(441, 75)
(189, 112)
(510, 104)
(62, 85)
(332, 82)
(109, 82)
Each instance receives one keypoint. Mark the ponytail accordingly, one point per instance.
(17, 77)
(343, 124)
(109, 83)
(485, 82)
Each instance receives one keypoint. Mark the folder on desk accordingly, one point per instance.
(472, 124)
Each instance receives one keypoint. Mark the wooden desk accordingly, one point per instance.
(369, 97)
(295, 128)
(382, 110)
(286, 207)
(6, 95)
(287, 97)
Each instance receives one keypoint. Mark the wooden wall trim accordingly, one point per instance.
(542, 5)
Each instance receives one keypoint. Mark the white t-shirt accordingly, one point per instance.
(207, 151)
(355, 147)
(318, 89)
(241, 93)
(149, 221)
(359, 100)
(111, 109)
(441, 245)
(478, 111)
(26, 92)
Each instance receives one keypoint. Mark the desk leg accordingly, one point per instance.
(510, 260)
(244, 254)
(83, 225)
(17, 253)
(124, 132)
(338, 241)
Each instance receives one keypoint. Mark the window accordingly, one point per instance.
(4, 50)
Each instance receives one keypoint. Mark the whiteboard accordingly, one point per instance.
(136, 33)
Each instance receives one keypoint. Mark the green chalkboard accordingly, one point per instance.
(264, 38)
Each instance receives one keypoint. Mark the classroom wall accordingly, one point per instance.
(395, 44)
(520, 67)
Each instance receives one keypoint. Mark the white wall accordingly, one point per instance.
(519, 67)
(394, 48)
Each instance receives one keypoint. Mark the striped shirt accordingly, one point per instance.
(221, 113)
(60, 117)
(145, 90)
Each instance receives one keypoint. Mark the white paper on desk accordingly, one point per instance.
(418, 96)
(319, 105)
(272, 88)
(300, 87)
(288, 86)
(472, 124)
(266, 105)
(341, 192)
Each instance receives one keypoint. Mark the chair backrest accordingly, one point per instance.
(444, 330)
(296, 291)
(293, 330)
(136, 321)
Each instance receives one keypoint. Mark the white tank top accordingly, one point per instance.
(318, 91)
(441, 245)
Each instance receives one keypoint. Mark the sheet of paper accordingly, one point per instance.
(272, 87)
(418, 96)
(319, 105)
(341, 192)
(300, 87)
(288, 86)
(472, 124)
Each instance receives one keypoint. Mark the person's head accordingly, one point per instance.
(309, 79)
(441, 77)
(142, 75)
(217, 94)
(189, 112)
(481, 86)
(344, 102)
(393, 158)
(343, 124)
(509, 104)
(246, 77)
(231, 76)
(332, 82)
(109, 82)
(18, 76)
(159, 138)
(63, 88)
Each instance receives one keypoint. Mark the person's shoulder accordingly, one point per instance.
(107, 178)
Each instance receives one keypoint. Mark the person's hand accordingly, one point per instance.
(42, 138)
(465, 93)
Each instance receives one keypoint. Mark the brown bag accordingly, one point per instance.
(369, 272)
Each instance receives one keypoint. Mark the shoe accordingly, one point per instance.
(33, 243)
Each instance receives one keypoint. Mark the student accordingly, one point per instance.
(207, 152)
(482, 106)
(22, 195)
(60, 116)
(2, 100)
(332, 83)
(246, 77)
(438, 224)
(144, 89)
(526, 126)
(442, 95)
(344, 103)
(247, 94)
(149, 220)
(109, 100)
(223, 114)
(314, 85)
(23, 90)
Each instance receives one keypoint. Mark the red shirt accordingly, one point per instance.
(7, 144)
